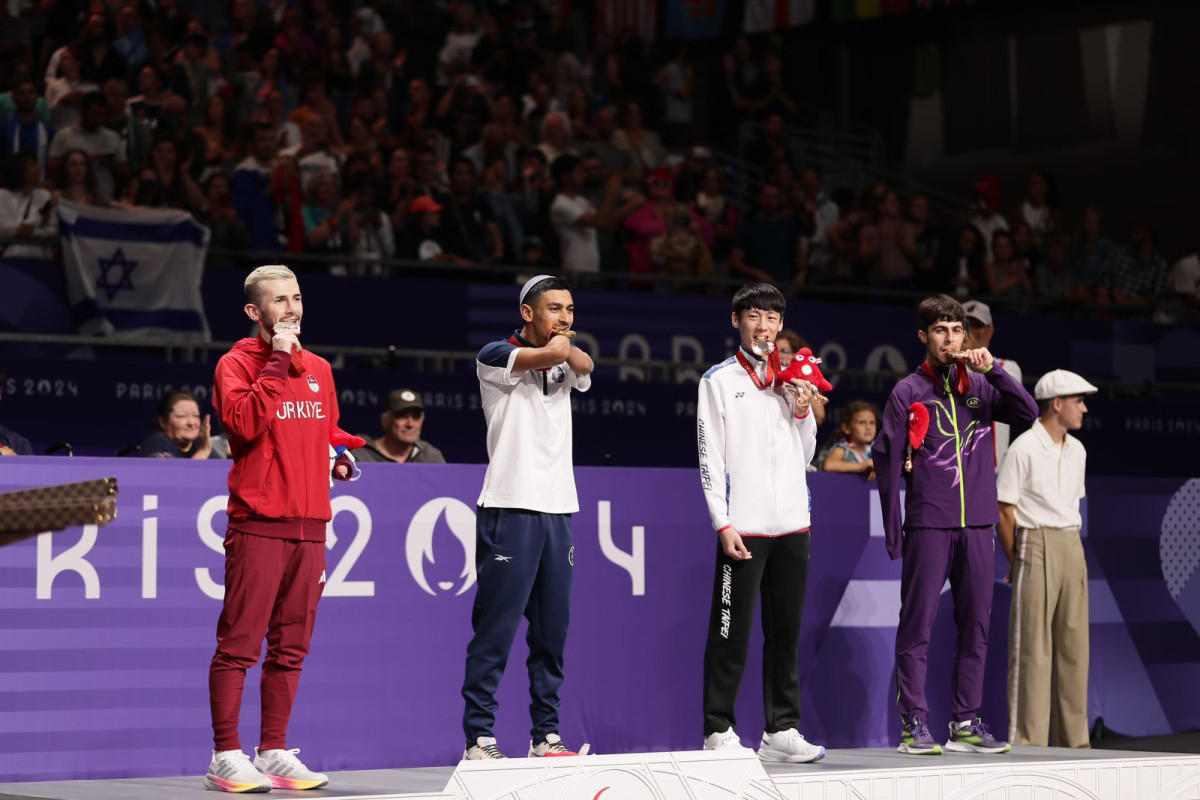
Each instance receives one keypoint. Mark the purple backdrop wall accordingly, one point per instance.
(107, 635)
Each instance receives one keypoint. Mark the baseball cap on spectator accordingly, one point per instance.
(424, 203)
(402, 400)
(1061, 383)
(978, 311)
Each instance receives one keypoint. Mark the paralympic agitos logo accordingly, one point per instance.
(419, 543)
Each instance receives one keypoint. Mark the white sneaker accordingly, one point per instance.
(483, 749)
(285, 771)
(789, 746)
(231, 771)
(553, 746)
(723, 740)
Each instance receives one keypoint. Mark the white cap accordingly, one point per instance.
(529, 284)
(977, 310)
(1060, 383)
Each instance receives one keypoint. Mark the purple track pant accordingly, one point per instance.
(931, 555)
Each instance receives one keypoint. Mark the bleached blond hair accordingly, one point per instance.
(267, 272)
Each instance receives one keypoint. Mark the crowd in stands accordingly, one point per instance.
(495, 133)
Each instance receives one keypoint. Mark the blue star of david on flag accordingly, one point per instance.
(117, 261)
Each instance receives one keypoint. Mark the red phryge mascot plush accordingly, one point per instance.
(806, 367)
(918, 426)
(340, 445)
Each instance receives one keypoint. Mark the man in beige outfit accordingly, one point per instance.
(1039, 487)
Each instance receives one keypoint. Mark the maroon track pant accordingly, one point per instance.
(271, 587)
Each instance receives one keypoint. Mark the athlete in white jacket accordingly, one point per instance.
(755, 441)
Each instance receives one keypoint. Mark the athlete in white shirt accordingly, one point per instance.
(1039, 488)
(523, 549)
(755, 440)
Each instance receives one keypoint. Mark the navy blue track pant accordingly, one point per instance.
(523, 564)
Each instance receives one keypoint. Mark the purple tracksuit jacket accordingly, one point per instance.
(953, 481)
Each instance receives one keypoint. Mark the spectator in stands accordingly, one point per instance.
(846, 234)
(296, 48)
(493, 145)
(252, 189)
(960, 269)
(675, 80)
(76, 179)
(886, 247)
(1054, 280)
(1007, 280)
(579, 113)
(199, 73)
(1181, 301)
(555, 137)
(272, 77)
(468, 229)
(104, 148)
(1025, 254)
(173, 123)
(713, 205)
(330, 224)
(11, 442)
(22, 71)
(494, 188)
(464, 109)
(64, 93)
(613, 157)
(420, 110)
(1135, 275)
(697, 159)
(15, 41)
(851, 449)
(400, 187)
(401, 443)
(23, 131)
(165, 183)
(147, 105)
(986, 217)
(726, 101)
(98, 60)
(576, 220)
(760, 152)
(768, 95)
(644, 146)
(179, 430)
(229, 231)
(26, 210)
(1092, 249)
(463, 36)
(130, 41)
(315, 155)
(928, 243)
(274, 113)
(135, 135)
(653, 219)
(768, 244)
(217, 131)
(421, 240)
(1040, 209)
(376, 242)
(426, 172)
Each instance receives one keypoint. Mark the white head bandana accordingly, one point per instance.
(534, 281)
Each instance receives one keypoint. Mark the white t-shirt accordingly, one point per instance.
(15, 209)
(528, 417)
(988, 228)
(1185, 276)
(580, 250)
(1000, 430)
(1043, 480)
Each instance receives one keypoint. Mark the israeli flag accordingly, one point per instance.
(134, 273)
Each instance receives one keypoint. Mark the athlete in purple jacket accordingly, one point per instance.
(950, 508)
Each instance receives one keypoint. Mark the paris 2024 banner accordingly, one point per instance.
(108, 632)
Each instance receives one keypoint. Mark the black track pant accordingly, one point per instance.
(779, 572)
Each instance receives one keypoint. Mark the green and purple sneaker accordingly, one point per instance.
(974, 737)
(916, 740)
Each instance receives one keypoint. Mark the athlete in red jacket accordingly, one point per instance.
(279, 409)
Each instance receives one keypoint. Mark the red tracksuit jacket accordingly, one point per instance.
(279, 411)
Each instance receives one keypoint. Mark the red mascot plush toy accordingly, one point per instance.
(806, 367)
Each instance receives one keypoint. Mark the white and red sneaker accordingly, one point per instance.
(285, 771)
(231, 771)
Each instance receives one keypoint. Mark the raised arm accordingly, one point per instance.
(246, 404)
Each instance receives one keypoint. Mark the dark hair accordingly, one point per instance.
(13, 171)
(89, 179)
(762, 296)
(1001, 234)
(794, 339)
(853, 409)
(167, 404)
(93, 98)
(563, 166)
(1044, 405)
(541, 287)
(939, 308)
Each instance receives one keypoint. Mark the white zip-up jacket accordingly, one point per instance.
(754, 452)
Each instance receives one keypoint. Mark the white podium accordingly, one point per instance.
(692, 775)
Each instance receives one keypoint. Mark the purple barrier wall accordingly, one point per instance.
(107, 635)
